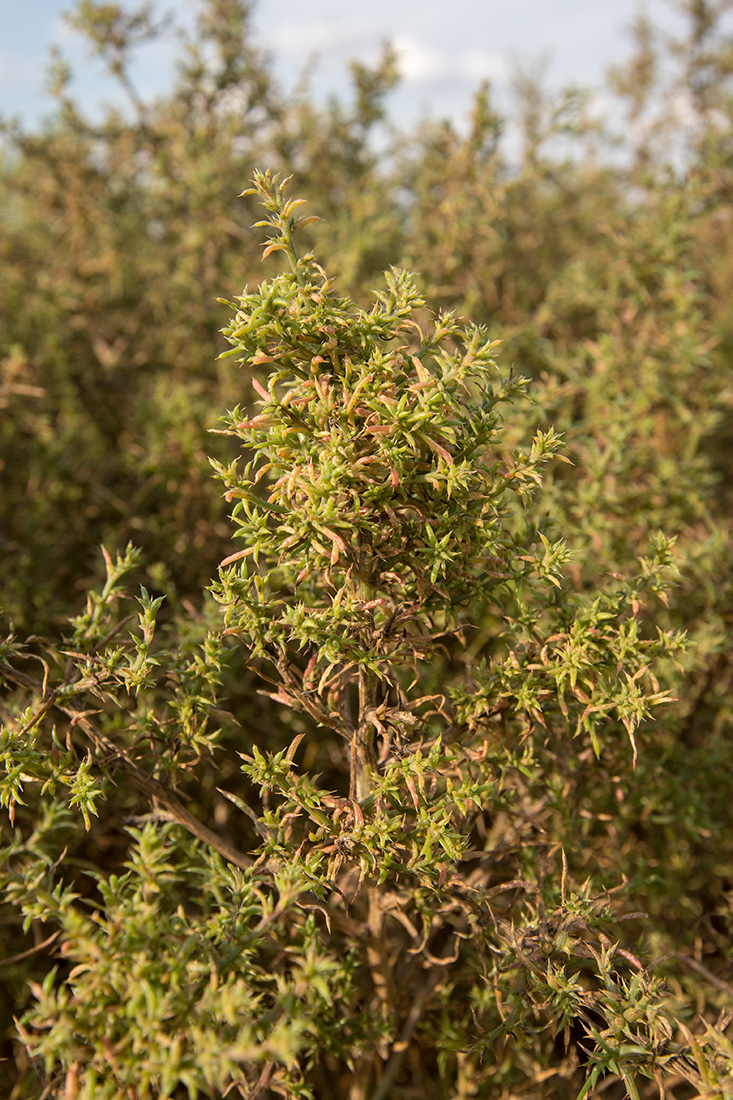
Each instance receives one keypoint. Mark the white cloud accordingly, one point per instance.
(482, 64)
(419, 62)
(320, 36)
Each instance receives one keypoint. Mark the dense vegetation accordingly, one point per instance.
(413, 778)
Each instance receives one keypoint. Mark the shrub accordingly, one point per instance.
(118, 233)
(393, 907)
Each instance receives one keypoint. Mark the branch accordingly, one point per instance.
(31, 950)
(399, 1048)
(153, 788)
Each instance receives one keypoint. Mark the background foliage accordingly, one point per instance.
(426, 791)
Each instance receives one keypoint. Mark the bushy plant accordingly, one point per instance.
(391, 904)
(602, 261)
(604, 276)
(119, 231)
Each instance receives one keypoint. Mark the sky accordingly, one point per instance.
(446, 47)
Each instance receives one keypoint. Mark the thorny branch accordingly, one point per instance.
(152, 787)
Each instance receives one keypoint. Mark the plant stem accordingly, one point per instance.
(363, 759)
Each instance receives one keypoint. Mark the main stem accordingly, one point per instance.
(363, 759)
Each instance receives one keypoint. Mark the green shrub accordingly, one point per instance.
(403, 739)
(416, 925)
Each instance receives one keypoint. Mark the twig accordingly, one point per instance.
(31, 950)
(724, 987)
